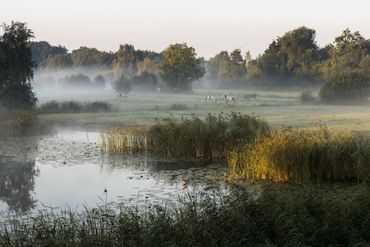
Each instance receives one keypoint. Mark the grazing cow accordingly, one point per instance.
(251, 96)
(229, 98)
(122, 95)
(210, 98)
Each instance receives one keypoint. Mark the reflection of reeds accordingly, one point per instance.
(305, 155)
(212, 138)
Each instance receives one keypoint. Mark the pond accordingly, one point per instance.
(68, 169)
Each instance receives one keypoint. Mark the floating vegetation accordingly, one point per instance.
(279, 216)
(211, 138)
(73, 107)
(304, 155)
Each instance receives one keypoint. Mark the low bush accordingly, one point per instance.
(73, 107)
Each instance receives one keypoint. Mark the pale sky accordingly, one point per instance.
(208, 25)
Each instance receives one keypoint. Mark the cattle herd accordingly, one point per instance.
(231, 98)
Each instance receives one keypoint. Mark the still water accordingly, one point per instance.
(67, 169)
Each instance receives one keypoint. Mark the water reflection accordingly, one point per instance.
(68, 169)
(17, 182)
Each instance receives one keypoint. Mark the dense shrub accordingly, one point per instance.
(73, 107)
(307, 96)
(76, 80)
(305, 155)
(349, 87)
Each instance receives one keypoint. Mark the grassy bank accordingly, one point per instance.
(212, 138)
(298, 155)
(280, 216)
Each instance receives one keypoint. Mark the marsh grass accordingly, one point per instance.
(296, 155)
(211, 138)
(279, 216)
(73, 107)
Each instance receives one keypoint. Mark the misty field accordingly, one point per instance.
(278, 108)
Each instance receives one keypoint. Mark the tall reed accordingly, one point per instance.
(279, 216)
(211, 138)
(314, 155)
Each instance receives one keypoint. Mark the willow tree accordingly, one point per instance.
(180, 67)
(16, 67)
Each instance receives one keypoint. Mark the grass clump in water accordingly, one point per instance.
(279, 216)
(211, 138)
(305, 155)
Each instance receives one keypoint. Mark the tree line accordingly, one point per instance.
(342, 68)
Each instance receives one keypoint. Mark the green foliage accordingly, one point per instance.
(58, 61)
(349, 87)
(76, 80)
(212, 138)
(41, 50)
(99, 81)
(145, 81)
(54, 107)
(278, 216)
(307, 96)
(89, 57)
(345, 55)
(16, 67)
(123, 85)
(297, 155)
(227, 69)
(180, 67)
(288, 59)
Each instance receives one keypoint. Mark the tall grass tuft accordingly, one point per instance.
(305, 155)
(211, 138)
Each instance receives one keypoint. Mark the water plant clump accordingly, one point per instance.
(281, 215)
(211, 138)
(296, 155)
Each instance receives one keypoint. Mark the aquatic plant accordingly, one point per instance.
(293, 154)
(279, 216)
(211, 138)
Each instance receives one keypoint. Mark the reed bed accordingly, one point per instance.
(211, 138)
(280, 216)
(299, 155)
